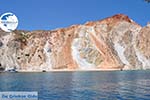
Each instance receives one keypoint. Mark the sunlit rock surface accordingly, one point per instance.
(113, 43)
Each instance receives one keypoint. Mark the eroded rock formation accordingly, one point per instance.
(116, 42)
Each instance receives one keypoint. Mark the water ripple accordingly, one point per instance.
(118, 85)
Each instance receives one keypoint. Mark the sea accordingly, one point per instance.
(94, 85)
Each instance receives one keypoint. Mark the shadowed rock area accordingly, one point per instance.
(114, 43)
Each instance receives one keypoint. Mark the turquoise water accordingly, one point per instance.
(117, 85)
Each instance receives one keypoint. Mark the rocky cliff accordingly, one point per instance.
(116, 42)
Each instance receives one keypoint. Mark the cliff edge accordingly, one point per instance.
(116, 43)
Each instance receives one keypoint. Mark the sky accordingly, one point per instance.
(52, 14)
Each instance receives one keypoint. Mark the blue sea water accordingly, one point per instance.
(116, 85)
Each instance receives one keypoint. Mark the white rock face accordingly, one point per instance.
(120, 51)
(82, 63)
(116, 42)
(7, 52)
(47, 51)
(145, 62)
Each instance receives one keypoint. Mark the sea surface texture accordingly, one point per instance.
(116, 85)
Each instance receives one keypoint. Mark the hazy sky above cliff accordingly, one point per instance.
(51, 14)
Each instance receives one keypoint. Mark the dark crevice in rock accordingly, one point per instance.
(1, 44)
(40, 56)
(49, 50)
(2, 69)
(27, 54)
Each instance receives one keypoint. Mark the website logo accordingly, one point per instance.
(19, 95)
(8, 22)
